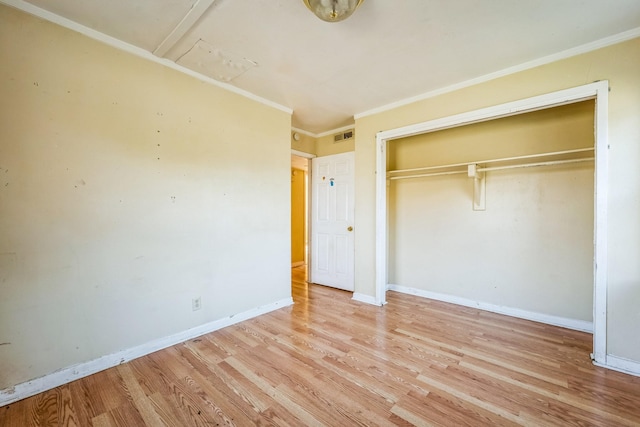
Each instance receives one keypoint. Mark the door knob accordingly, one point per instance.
(349, 228)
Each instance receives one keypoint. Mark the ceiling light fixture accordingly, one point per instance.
(333, 10)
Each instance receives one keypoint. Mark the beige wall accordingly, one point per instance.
(620, 64)
(127, 189)
(532, 248)
(306, 143)
(325, 146)
(298, 215)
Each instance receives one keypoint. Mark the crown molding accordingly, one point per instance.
(578, 50)
(322, 134)
(135, 50)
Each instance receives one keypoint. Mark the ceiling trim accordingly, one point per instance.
(189, 20)
(578, 50)
(135, 50)
(321, 134)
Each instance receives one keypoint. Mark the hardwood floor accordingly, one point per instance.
(328, 360)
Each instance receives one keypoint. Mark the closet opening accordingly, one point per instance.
(498, 215)
(502, 208)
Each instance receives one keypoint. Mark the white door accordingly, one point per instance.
(332, 227)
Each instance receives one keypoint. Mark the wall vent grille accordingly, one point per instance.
(343, 136)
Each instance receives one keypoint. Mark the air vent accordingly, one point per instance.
(343, 136)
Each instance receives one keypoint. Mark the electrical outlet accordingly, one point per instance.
(196, 303)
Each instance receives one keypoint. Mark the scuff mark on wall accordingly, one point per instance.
(6, 184)
(9, 391)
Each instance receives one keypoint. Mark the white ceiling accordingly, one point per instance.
(387, 51)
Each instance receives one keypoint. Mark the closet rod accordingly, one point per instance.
(496, 168)
(530, 165)
(427, 174)
(505, 159)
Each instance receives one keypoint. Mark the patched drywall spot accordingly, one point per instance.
(4, 177)
(215, 63)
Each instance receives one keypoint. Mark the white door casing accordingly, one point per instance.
(332, 226)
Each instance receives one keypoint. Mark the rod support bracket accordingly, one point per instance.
(479, 187)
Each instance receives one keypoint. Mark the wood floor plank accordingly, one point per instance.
(445, 410)
(102, 420)
(169, 414)
(324, 385)
(45, 407)
(140, 399)
(277, 394)
(86, 405)
(126, 415)
(481, 403)
(67, 412)
(328, 360)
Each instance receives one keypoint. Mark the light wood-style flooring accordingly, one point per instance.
(328, 360)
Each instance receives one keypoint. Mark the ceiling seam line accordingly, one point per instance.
(195, 13)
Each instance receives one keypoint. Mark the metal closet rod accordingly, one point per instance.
(496, 168)
(529, 165)
(421, 175)
(504, 159)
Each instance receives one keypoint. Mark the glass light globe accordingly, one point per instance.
(333, 10)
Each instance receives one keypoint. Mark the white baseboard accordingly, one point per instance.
(621, 365)
(367, 299)
(72, 373)
(578, 325)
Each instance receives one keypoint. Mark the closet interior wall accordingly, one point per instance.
(532, 247)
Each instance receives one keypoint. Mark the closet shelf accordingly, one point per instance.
(390, 174)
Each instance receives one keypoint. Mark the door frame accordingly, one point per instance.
(307, 234)
(598, 91)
